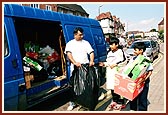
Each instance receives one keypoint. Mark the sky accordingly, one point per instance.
(137, 16)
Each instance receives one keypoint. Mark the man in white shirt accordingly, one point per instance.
(77, 51)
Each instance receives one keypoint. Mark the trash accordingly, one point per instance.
(133, 70)
(53, 57)
(32, 55)
(55, 68)
(47, 50)
(32, 63)
(85, 86)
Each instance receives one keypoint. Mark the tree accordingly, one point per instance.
(153, 30)
(161, 34)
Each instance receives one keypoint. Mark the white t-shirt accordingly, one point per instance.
(79, 50)
(113, 58)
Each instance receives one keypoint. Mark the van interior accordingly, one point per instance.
(42, 48)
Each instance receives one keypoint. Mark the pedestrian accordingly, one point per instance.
(140, 103)
(77, 51)
(115, 59)
(122, 41)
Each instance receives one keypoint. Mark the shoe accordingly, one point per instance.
(112, 105)
(108, 94)
(101, 97)
(70, 108)
(117, 107)
(83, 109)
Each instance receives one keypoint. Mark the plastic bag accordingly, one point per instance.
(78, 79)
(85, 86)
(55, 69)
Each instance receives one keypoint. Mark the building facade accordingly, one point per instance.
(161, 25)
(111, 25)
(72, 9)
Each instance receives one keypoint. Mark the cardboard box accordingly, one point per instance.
(127, 87)
(26, 73)
(28, 79)
(31, 77)
(28, 84)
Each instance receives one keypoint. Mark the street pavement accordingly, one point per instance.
(157, 89)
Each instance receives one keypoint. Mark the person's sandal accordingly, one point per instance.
(112, 105)
(118, 107)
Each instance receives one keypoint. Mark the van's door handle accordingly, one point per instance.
(14, 63)
(22, 87)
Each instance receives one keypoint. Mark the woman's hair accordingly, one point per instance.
(114, 40)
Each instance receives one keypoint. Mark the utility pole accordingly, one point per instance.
(99, 8)
(127, 26)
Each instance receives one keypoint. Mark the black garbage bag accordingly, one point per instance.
(85, 86)
(39, 76)
(55, 68)
(78, 79)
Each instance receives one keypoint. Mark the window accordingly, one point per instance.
(153, 44)
(34, 5)
(70, 12)
(48, 7)
(78, 14)
(60, 10)
(6, 48)
(147, 44)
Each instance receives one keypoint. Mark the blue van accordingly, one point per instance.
(35, 67)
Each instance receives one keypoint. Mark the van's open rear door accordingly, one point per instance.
(13, 72)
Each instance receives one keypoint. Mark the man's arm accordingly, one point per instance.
(91, 59)
(70, 57)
